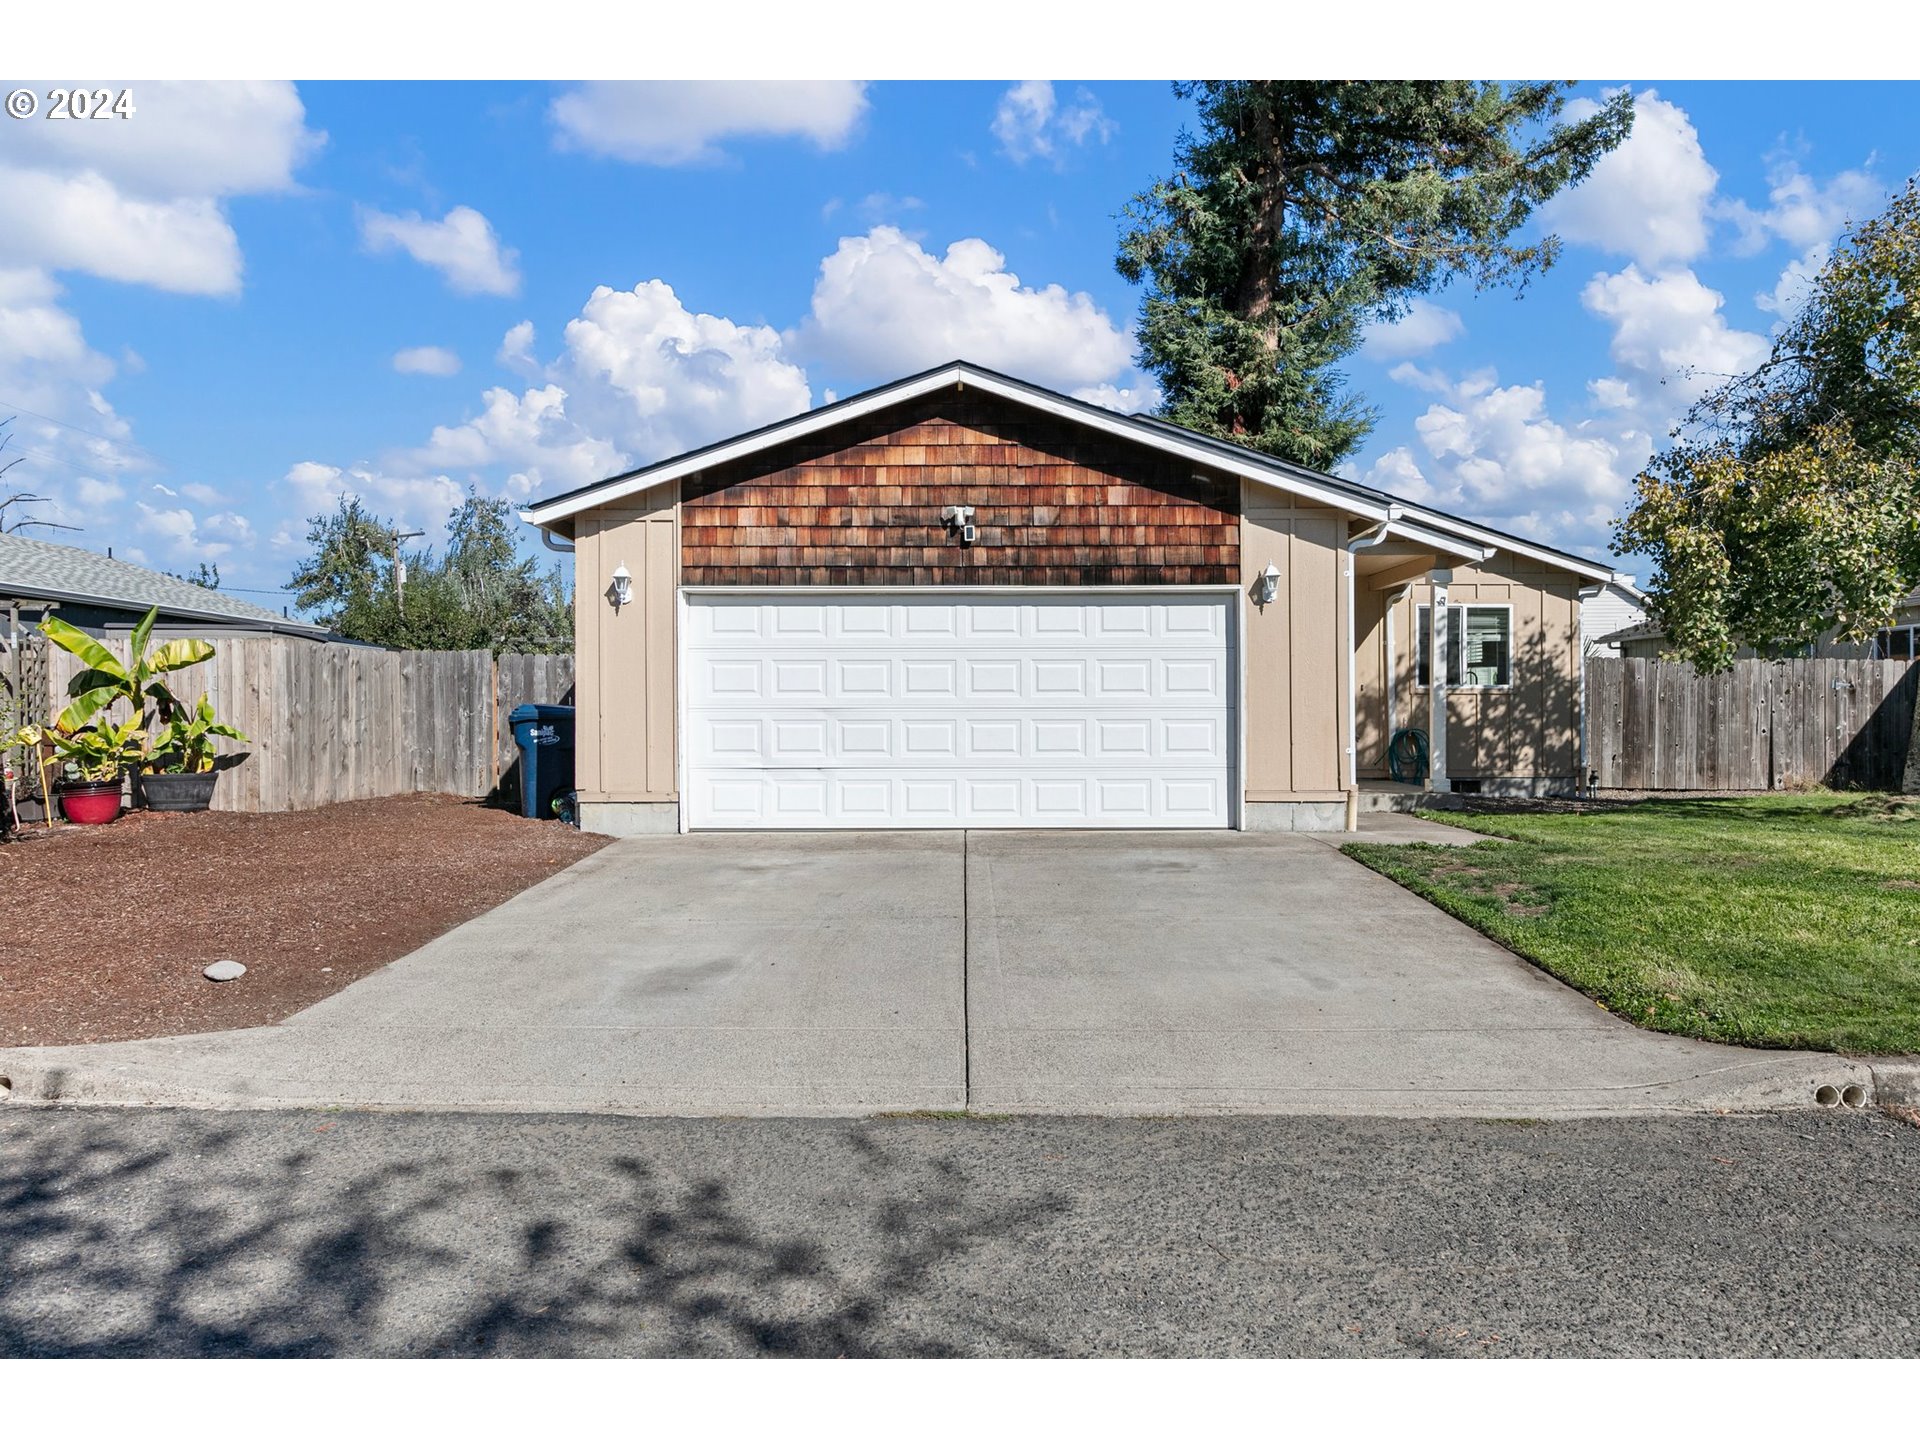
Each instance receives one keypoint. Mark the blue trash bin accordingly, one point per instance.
(544, 734)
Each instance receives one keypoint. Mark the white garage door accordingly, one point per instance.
(945, 708)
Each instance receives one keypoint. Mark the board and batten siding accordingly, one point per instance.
(1531, 728)
(1294, 666)
(625, 695)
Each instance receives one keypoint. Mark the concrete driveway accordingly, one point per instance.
(999, 971)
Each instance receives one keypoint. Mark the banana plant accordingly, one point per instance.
(186, 746)
(100, 751)
(107, 678)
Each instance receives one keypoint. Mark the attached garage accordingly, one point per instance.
(961, 600)
(910, 709)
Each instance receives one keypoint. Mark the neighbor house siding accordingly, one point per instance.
(1531, 729)
(625, 693)
(1292, 648)
(1055, 504)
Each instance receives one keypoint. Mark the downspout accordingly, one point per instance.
(1587, 592)
(546, 539)
(1370, 538)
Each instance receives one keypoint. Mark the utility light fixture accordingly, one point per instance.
(622, 586)
(1267, 589)
(959, 520)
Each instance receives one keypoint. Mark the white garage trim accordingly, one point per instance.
(794, 684)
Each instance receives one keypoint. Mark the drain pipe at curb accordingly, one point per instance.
(1365, 541)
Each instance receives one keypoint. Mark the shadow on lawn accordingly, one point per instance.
(206, 1246)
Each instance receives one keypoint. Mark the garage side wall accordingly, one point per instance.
(1294, 661)
(625, 693)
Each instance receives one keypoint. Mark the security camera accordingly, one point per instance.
(968, 534)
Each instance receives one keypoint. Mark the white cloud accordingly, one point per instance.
(185, 138)
(140, 200)
(1802, 211)
(415, 502)
(1671, 340)
(462, 246)
(187, 536)
(683, 122)
(1426, 326)
(1029, 122)
(426, 360)
(884, 307)
(1494, 452)
(81, 222)
(1138, 398)
(1807, 214)
(641, 377)
(516, 348)
(1650, 199)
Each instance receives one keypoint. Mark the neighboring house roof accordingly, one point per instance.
(42, 570)
(1645, 630)
(1463, 538)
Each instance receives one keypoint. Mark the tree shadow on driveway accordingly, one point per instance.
(183, 1234)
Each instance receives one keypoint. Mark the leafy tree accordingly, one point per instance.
(480, 595)
(206, 576)
(1305, 209)
(1789, 501)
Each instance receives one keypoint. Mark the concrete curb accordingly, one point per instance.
(1896, 1080)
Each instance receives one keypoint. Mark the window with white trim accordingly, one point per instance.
(1900, 643)
(1479, 646)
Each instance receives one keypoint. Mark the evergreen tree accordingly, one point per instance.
(1305, 209)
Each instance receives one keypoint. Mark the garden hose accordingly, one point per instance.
(1407, 756)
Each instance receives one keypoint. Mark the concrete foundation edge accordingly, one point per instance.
(623, 818)
(1271, 815)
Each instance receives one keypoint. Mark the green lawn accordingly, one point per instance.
(1783, 920)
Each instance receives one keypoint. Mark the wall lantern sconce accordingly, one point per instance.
(959, 520)
(622, 586)
(1267, 588)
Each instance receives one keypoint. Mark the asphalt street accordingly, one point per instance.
(180, 1233)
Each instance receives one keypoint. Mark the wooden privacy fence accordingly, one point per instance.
(327, 723)
(1764, 725)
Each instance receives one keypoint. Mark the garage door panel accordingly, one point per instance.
(1000, 710)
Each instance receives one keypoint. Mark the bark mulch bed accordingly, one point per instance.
(104, 930)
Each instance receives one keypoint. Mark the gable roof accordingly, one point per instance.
(42, 570)
(1460, 537)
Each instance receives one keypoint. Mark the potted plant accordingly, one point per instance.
(93, 761)
(179, 774)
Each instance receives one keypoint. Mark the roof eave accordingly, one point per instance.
(276, 623)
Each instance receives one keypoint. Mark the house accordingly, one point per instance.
(964, 600)
(104, 596)
(1898, 641)
(1610, 608)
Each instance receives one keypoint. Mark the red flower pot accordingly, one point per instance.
(90, 802)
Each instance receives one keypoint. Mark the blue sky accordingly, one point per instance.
(220, 314)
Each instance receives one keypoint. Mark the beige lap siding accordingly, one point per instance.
(625, 695)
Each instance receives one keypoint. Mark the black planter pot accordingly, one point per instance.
(177, 792)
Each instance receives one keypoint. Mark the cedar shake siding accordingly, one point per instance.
(1055, 504)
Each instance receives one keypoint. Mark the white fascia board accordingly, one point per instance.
(1200, 455)
(1494, 541)
(1450, 544)
(816, 420)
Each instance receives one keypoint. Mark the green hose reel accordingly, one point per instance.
(1407, 757)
